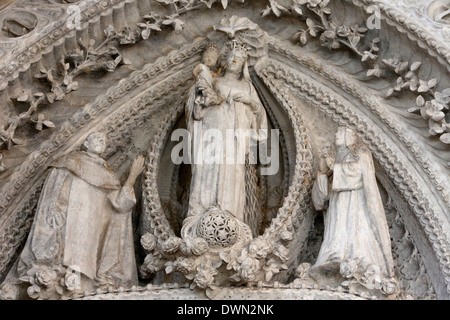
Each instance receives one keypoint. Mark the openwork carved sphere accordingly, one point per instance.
(218, 228)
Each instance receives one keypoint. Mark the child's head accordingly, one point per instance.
(210, 55)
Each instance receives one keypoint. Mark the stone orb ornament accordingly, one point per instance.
(219, 228)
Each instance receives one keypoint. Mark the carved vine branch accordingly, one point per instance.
(432, 105)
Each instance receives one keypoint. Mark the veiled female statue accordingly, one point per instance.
(356, 242)
(223, 107)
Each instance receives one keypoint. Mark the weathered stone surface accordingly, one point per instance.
(139, 71)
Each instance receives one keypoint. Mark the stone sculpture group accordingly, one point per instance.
(82, 235)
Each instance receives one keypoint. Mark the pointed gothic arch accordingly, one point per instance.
(132, 92)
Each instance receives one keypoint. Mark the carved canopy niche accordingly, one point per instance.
(124, 67)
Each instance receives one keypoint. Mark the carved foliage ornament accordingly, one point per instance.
(432, 105)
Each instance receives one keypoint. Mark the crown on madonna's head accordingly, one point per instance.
(240, 48)
(211, 47)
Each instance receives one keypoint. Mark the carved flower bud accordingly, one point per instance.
(171, 245)
(205, 275)
(72, 281)
(184, 265)
(200, 246)
(249, 269)
(9, 291)
(152, 264)
(148, 241)
(260, 248)
(45, 276)
(389, 286)
(286, 236)
(343, 31)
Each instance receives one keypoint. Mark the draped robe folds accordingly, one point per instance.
(222, 183)
(355, 223)
(83, 221)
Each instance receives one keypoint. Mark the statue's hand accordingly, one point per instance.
(136, 169)
(330, 162)
(246, 100)
(326, 163)
(243, 98)
(196, 71)
(323, 168)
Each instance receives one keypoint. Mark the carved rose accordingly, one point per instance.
(184, 265)
(45, 276)
(72, 281)
(249, 269)
(109, 66)
(329, 39)
(281, 252)
(343, 31)
(171, 245)
(205, 275)
(148, 241)
(348, 268)
(231, 258)
(286, 236)
(152, 263)
(200, 246)
(260, 248)
(389, 286)
(9, 291)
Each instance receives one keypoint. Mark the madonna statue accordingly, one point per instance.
(218, 186)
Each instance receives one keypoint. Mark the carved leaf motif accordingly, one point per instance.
(224, 3)
(25, 96)
(49, 124)
(297, 9)
(423, 86)
(432, 83)
(208, 3)
(420, 101)
(310, 23)
(390, 92)
(374, 72)
(435, 128)
(303, 38)
(415, 66)
(235, 24)
(72, 86)
(354, 40)
(276, 8)
(41, 122)
(326, 11)
(266, 11)
(145, 33)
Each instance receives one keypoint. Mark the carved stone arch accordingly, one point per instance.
(391, 165)
(412, 164)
